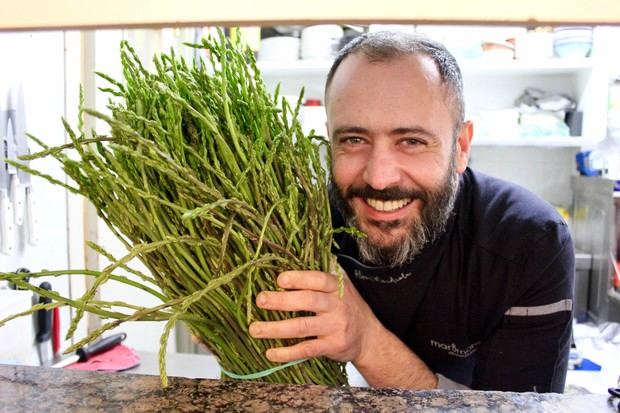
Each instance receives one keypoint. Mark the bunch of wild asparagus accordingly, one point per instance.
(210, 183)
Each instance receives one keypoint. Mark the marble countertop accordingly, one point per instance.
(30, 389)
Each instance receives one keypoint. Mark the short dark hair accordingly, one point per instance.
(381, 46)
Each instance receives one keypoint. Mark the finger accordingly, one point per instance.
(308, 280)
(299, 327)
(298, 300)
(200, 343)
(304, 350)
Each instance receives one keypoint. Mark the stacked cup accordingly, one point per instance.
(572, 41)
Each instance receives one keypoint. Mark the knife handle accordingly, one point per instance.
(100, 346)
(17, 195)
(44, 317)
(6, 224)
(55, 331)
(31, 218)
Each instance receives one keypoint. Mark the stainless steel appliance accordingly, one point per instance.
(595, 228)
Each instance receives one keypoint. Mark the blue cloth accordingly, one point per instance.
(588, 365)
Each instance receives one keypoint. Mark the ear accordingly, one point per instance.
(463, 146)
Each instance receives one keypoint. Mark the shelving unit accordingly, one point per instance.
(489, 85)
(313, 68)
(294, 68)
(555, 66)
(543, 142)
(542, 164)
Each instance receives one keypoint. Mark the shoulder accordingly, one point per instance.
(519, 242)
(508, 219)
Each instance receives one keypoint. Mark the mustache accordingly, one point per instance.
(387, 194)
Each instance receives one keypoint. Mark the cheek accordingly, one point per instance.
(346, 169)
(424, 170)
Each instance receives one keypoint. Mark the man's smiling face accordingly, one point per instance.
(395, 161)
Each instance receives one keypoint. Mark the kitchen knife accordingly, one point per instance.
(6, 209)
(84, 353)
(15, 190)
(17, 114)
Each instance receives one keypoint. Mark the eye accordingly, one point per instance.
(351, 140)
(411, 142)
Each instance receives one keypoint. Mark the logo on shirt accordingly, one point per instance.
(392, 279)
(453, 350)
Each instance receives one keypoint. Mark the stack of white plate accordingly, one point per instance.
(320, 41)
(572, 41)
(279, 49)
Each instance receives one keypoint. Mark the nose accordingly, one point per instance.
(381, 170)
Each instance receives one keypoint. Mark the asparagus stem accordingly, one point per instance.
(209, 181)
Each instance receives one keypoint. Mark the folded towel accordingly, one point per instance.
(118, 358)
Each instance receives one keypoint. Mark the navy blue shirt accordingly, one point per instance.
(489, 303)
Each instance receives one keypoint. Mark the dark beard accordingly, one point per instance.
(436, 210)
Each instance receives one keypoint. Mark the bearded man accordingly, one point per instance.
(461, 280)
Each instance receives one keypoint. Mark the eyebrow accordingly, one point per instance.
(398, 131)
(350, 129)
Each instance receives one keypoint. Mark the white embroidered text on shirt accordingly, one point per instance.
(453, 350)
(384, 280)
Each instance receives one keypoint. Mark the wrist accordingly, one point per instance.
(385, 361)
(375, 338)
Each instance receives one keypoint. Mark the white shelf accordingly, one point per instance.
(540, 141)
(309, 68)
(484, 74)
(295, 68)
(525, 67)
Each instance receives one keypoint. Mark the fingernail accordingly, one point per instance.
(284, 280)
(269, 354)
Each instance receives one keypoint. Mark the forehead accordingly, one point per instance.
(408, 85)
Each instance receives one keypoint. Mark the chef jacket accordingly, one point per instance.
(488, 304)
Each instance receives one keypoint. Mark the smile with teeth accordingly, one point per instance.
(388, 206)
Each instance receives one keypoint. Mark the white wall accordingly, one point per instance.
(143, 336)
(36, 60)
(544, 171)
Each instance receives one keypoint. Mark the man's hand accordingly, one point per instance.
(339, 329)
(342, 328)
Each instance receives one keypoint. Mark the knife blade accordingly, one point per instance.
(82, 354)
(17, 114)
